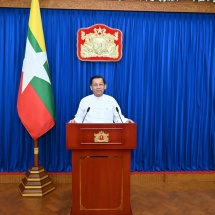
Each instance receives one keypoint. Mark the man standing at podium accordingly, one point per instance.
(99, 107)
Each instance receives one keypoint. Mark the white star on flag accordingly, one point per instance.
(33, 66)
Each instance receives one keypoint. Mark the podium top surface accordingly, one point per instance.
(101, 135)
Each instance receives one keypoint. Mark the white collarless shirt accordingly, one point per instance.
(102, 110)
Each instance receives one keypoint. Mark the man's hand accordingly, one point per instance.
(129, 121)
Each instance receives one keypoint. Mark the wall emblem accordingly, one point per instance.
(99, 43)
(101, 137)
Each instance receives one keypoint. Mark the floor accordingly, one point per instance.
(151, 198)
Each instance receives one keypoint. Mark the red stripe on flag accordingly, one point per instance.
(32, 112)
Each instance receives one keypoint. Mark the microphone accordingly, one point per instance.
(86, 114)
(117, 109)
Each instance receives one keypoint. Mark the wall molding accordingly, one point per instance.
(136, 177)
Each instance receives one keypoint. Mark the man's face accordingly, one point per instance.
(98, 86)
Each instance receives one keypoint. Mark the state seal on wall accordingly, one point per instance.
(99, 43)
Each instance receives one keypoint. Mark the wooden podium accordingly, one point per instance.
(101, 167)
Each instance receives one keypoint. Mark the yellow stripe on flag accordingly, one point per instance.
(35, 24)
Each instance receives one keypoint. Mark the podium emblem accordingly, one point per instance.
(101, 136)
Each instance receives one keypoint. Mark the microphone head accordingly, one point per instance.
(88, 109)
(117, 109)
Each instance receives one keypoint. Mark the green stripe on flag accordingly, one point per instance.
(44, 91)
(46, 66)
(33, 41)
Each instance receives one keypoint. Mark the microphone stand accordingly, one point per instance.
(119, 114)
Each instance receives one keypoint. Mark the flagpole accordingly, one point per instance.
(36, 153)
(36, 108)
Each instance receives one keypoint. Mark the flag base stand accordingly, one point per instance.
(36, 182)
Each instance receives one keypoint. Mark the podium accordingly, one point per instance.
(101, 156)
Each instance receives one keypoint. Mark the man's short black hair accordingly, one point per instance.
(97, 76)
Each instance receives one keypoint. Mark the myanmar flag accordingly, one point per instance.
(35, 102)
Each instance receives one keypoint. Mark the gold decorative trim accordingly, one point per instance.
(36, 179)
(36, 186)
(39, 194)
(36, 151)
(36, 171)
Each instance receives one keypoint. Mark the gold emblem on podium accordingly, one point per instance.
(101, 137)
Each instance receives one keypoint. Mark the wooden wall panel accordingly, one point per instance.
(138, 178)
(123, 5)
